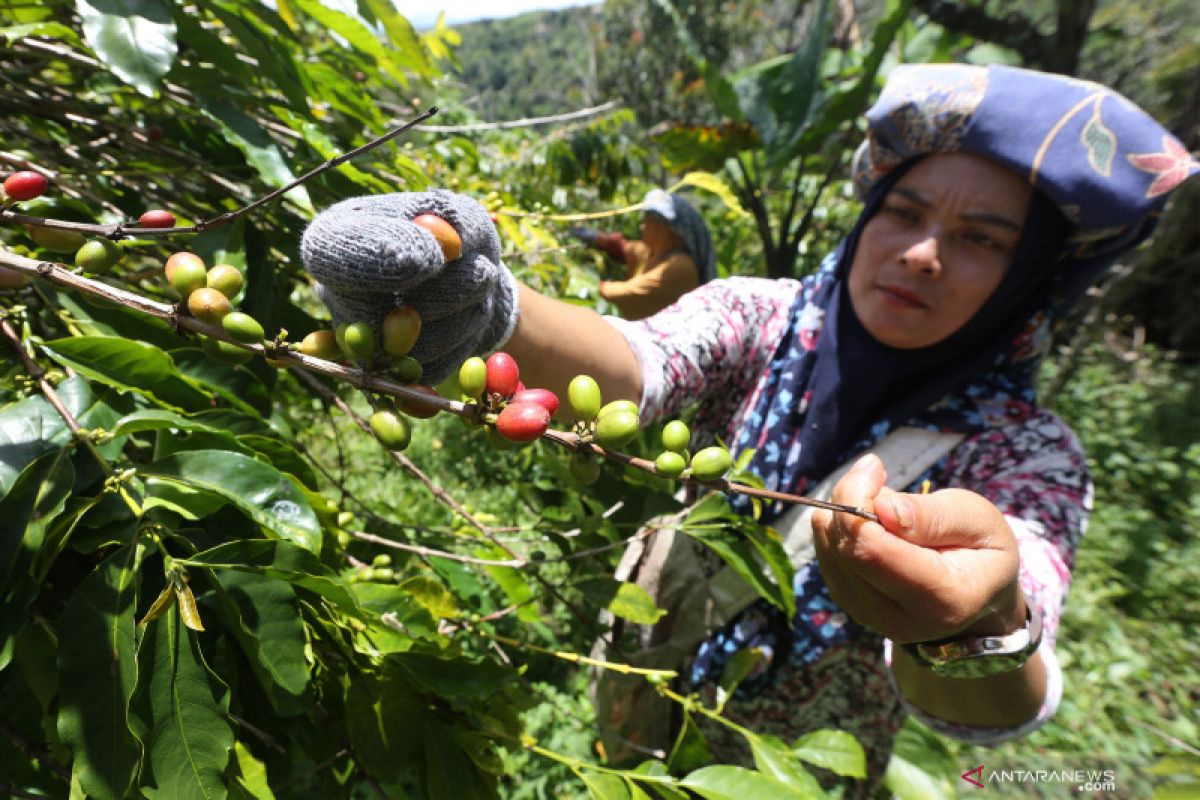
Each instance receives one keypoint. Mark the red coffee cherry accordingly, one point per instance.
(503, 375)
(445, 234)
(523, 422)
(157, 219)
(25, 185)
(543, 397)
(415, 408)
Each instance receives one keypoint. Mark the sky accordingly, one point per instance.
(424, 13)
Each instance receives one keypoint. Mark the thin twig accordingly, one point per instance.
(329, 762)
(527, 122)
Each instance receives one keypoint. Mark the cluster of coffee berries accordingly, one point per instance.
(709, 464)
(208, 295)
(519, 415)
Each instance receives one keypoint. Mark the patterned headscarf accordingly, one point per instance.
(1101, 169)
(685, 221)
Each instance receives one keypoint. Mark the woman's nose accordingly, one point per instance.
(923, 256)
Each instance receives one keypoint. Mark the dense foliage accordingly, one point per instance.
(220, 585)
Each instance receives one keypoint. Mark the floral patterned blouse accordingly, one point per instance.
(822, 669)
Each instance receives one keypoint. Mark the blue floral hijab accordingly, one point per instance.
(685, 221)
(1101, 170)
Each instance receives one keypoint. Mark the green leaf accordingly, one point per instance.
(738, 783)
(250, 775)
(920, 767)
(626, 600)
(134, 38)
(736, 670)
(259, 148)
(182, 710)
(129, 365)
(406, 46)
(742, 553)
(449, 772)
(237, 385)
(33, 503)
(97, 674)
(31, 427)
(711, 183)
(690, 749)
(604, 786)
(384, 719)
(452, 678)
(355, 34)
(51, 30)
(433, 595)
(262, 492)
(772, 757)
(263, 616)
(264, 45)
(836, 751)
(719, 88)
(280, 560)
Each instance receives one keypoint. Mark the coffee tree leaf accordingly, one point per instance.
(772, 757)
(626, 600)
(134, 38)
(97, 675)
(433, 595)
(256, 145)
(263, 493)
(603, 786)
(384, 719)
(452, 678)
(247, 778)
(275, 63)
(236, 385)
(280, 560)
(34, 502)
(263, 617)
(182, 716)
(723, 782)
(449, 772)
(31, 427)
(836, 751)
(130, 366)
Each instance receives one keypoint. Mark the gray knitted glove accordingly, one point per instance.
(367, 258)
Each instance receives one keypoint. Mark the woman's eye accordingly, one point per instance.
(902, 213)
(983, 240)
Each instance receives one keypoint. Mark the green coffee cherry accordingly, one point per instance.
(242, 327)
(391, 429)
(676, 436)
(472, 377)
(616, 428)
(618, 405)
(670, 464)
(584, 396)
(98, 255)
(407, 370)
(358, 341)
(711, 463)
(225, 351)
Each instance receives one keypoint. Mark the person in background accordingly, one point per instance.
(674, 256)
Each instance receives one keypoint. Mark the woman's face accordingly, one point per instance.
(657, 235)
(937, 248)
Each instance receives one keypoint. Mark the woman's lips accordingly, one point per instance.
(899, 296)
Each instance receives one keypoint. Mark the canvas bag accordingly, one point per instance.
(634, 720)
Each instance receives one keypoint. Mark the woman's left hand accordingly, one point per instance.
(934, 566)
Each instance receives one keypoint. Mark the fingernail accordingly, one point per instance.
(903, 509)
(862, 463)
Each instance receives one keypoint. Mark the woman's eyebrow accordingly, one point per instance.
(983, 217)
